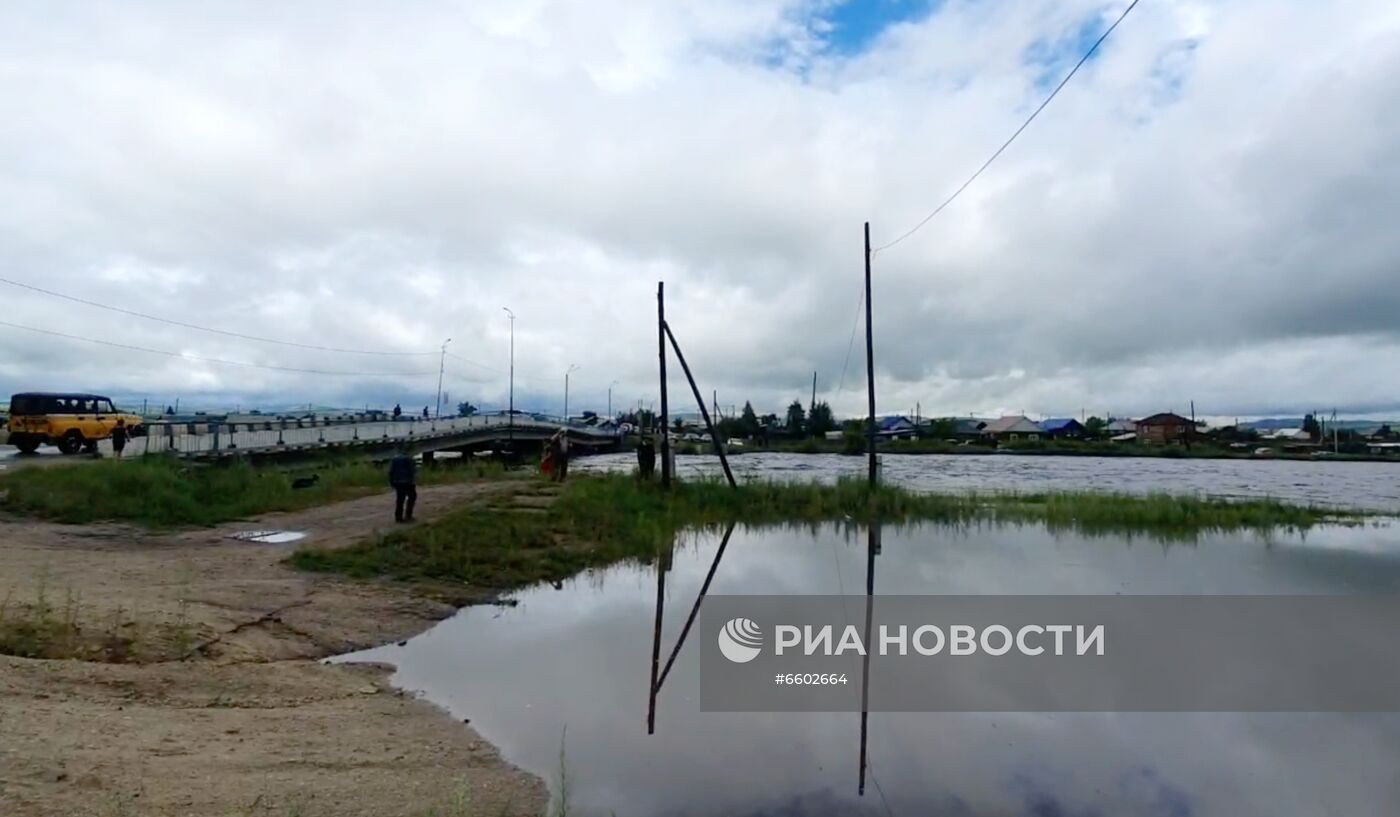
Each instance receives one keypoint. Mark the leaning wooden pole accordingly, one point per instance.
(704, 412)
(869, 360)
(655, 686)
(661, 352)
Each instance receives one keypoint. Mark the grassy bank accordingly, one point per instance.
(162, 493)
(597, 520)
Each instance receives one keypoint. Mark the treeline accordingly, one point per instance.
(797, 423)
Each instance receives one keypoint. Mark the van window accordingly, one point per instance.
(26, 405)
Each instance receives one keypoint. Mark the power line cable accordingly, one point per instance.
(1008, 142)
(851, 344)
(212, 330)
(220, 361)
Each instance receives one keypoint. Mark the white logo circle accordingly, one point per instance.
(740, 640)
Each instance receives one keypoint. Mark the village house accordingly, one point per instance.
(1013, 427)
(1063, 428)
(1120, 425)
(896, 428)
(1163, 428)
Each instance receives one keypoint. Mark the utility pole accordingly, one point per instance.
(1192, 431)
(813, 404)
(510, 419)
(869, 359)
(610, 385)
(661, 353)
(442, 364)
(572, 367)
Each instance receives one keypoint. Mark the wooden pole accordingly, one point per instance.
(704, 412)
(872, 548)
(661, 352)
(869, 359)
(656, 642)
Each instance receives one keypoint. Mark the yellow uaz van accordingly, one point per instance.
(72, 422)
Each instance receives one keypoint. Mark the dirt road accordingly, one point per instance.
(221, 707)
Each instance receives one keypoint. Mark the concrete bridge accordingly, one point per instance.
(270, 438)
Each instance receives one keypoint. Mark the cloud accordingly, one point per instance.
(1206, 207)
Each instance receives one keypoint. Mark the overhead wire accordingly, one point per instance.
(203, 359)
(1093, 48)
(210, 329)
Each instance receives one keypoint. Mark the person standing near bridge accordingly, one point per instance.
(403, 477)
(119, 435)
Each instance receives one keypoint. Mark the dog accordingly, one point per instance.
(305, 482)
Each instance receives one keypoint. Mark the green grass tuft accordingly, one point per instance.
(164, 493)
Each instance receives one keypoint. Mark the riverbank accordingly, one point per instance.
(201, 690)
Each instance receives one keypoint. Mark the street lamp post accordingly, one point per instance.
(442, 364)
(610, 385)
(511, 416)
(572, 367)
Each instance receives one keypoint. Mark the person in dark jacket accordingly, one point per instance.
(403, 477)
(646, 458)
(119, 435)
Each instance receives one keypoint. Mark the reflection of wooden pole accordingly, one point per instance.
(700, 401)
(665, 419)
(869, 358)
(700, 597)
(872, 548)
(656, 642)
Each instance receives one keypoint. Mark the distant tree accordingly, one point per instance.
(1095, 427)
(796, 417)
(768, 420)
(820, 420)
(645, 418)
(1310, 425)
(1384, 432)
(465, 409)
(748, 421)
(679, 424)
(943, 428)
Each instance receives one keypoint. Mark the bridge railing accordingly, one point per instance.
(272, 434)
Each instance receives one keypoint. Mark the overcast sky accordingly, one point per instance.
(1208, 211)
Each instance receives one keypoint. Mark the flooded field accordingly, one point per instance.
(1372, 485)
(560, 683)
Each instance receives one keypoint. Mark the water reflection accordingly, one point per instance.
(573, 658)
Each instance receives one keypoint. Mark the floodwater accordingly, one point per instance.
(568, 669)
(1370, 485)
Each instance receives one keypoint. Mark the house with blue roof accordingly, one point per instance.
(1063, 428)
(897, 427)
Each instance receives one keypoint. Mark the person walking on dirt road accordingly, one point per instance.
(403, 476)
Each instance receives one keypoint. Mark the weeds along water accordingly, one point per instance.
(600, 519)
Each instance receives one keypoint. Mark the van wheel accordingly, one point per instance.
(26, 443)
(71, 442)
